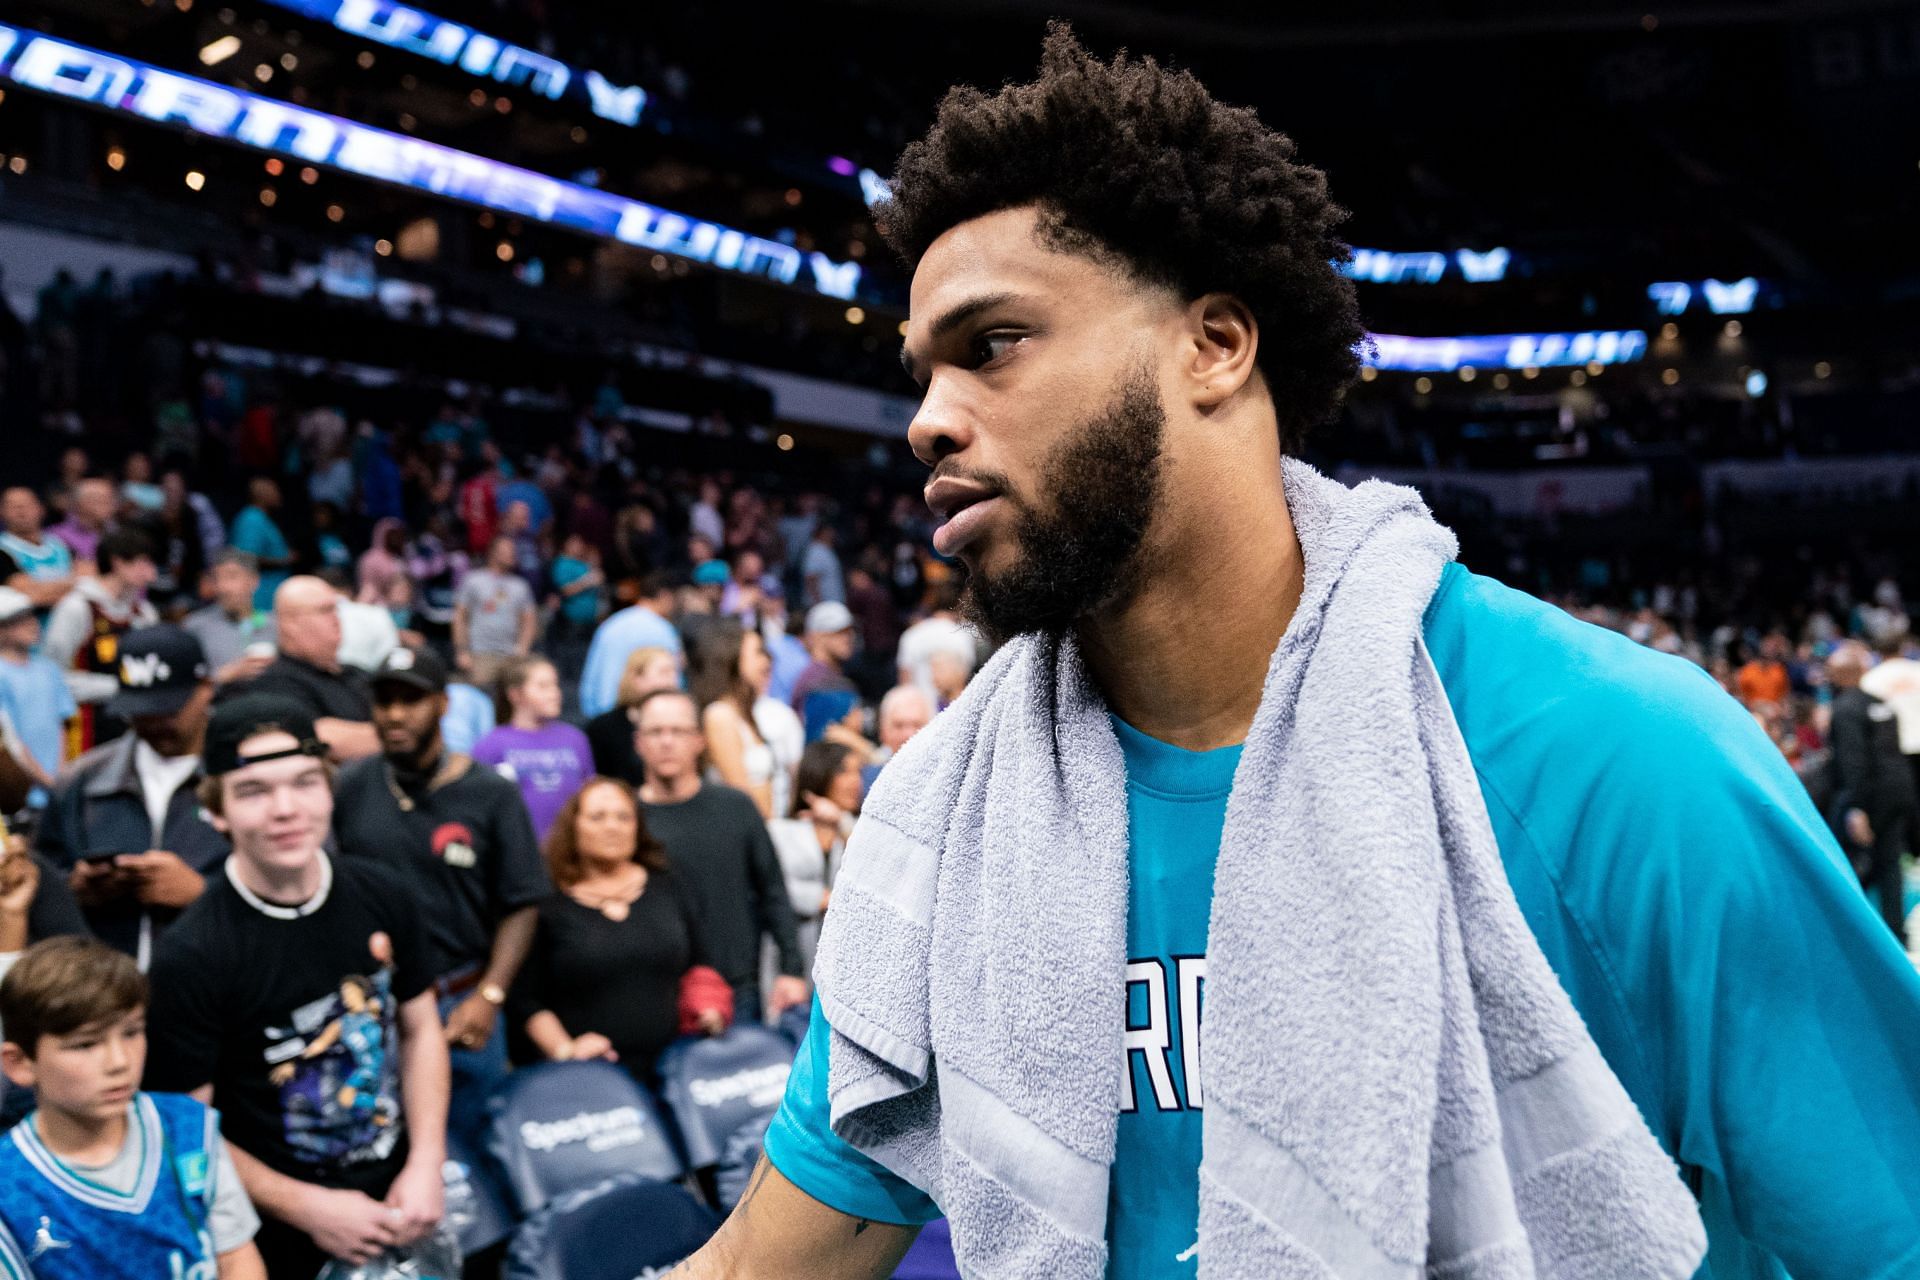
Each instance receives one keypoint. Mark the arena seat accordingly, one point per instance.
(717, 1086)
(620, 1229)
(476, 1203)
(560, 1127)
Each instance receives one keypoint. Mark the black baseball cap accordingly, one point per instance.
(419, 669)
(159, 668)
(247, 716)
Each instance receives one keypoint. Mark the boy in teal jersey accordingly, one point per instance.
(103, 1181)
(1124, 317)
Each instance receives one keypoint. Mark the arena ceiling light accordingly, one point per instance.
(123, 85)
(399, 26)
(218, 51)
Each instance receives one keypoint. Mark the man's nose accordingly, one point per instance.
(942, 425)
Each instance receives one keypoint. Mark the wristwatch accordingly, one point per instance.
(492, 994)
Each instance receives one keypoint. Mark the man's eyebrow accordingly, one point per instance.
(957, 315)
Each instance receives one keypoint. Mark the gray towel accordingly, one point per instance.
(1394, 1082)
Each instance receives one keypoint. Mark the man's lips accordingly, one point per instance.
(964, 507)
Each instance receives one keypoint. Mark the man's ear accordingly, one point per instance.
(17, 1065)
(1225, 343)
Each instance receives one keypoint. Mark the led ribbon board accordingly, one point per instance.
(134, 88)
(1506, 350)
(452, 45)
(1378, 266)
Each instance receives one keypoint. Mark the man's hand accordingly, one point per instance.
(785, 993)
(348, 1225)
(470, 1024)
(588, 1047)
(416, 1200)
(161, 879)
(244, 667)
(98, 881)
(19, 881)
(1859, 829)
(712, 1022)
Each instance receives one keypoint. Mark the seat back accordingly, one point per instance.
(565, 1126)
(476, 1202)
(719, 1085)
(622, 1229)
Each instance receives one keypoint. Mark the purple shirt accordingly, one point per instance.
(82, 541)
(549, 764)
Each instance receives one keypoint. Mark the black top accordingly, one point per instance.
(620, 978)
(610, 737)
(340, 695)
(720, 847)
(1869, 773)
(465, 846)
(294, 1024)
(53, 913)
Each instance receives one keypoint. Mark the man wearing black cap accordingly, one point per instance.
(460, 836)
(296, 997)
(124, 825)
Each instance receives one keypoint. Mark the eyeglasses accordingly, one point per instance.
(669, 731)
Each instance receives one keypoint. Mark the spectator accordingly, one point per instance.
(329, 551)
(779, 727)
(90, 512)
(125, 824)
(822, 581)
(810, 840)
(33, 694)
(610, 734)
(642, 625)
(579, 593)
(35, 904)
(940, 632)
(479, 502)
(205, 519)
(1895, 680)
(547, 758)
(1874, 802)
(308, 670)
(729, 664)
(39, 566)
(615, 941)
(715, 838)
(85, 629)
(829, 638)
(470, 717)
(368, 632)
(494, 618)
(75, 1177)
(255, 532)
(878, 628)
(703, 517)
(950, 673)
(297, 997)
(459, 836)
(904, 712)
(1765, 679)
(236, 637)
(138, 492)
(383, 567)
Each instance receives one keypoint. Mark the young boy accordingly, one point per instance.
(104, 1182)
(33, 693)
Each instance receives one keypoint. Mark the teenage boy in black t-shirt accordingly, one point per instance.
(297, 997)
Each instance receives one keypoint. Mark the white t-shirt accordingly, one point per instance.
(160, 776)
(785, 737)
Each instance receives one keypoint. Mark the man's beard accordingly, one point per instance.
(1103, 480)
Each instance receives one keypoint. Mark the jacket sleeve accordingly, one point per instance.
(1850, 747)
(771, 905)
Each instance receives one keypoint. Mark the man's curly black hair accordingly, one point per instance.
(1133, 162)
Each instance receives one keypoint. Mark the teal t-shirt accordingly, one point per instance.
(1689, 898)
